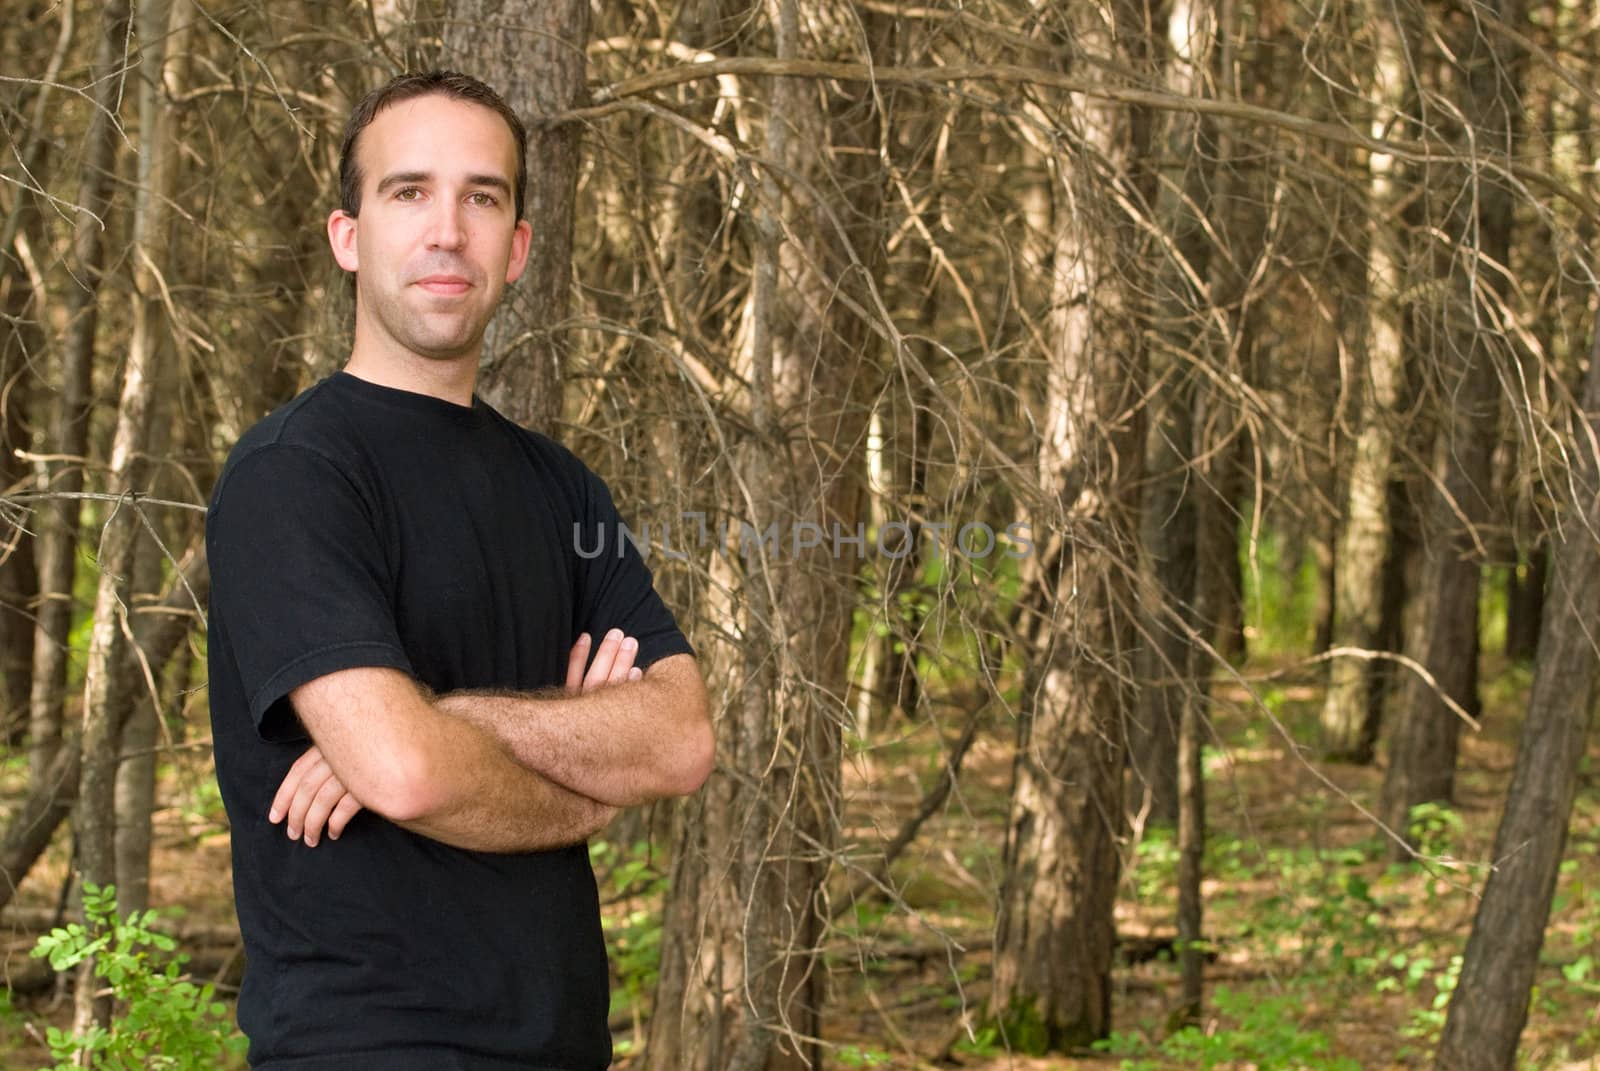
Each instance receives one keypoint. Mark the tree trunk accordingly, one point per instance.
(742, 981)
(1191, 859)
(168, 25)
(51, 797)
(24, 311)
(1240, 212)
(1423, 753)
(1363, 538)
(533, 54)
(69, 434)
(1169, 514)
(108, 683)
(906, 423)
(1399, 569)
(1525, 584)
(19, 575)
(1055, 931)
(1490, 1003)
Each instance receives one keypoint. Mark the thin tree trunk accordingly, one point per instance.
(1423, 753)
(533, 54)
(69, 434)
(1399, 569)
(51, 797)
(24, 309)
(1363, 537)
(31, 156)
(909, 444)
(1169, 514)
(108, 682)
(1241, 215)
(1191, 858)
(167, 25)
(20, 343)
(1055, 932)
(1490, 1005)
(1525, 586)
(742, 980)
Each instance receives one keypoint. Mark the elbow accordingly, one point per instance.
(698, 759)
(408, 791)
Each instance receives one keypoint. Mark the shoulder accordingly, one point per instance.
(303, 441)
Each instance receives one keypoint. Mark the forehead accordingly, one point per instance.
(438, 134)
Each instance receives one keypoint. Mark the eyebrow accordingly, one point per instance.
(401, 178)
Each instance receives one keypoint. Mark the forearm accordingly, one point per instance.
(388, 745)
(623, 745)
(486, 801)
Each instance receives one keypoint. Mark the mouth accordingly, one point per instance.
(444, 285)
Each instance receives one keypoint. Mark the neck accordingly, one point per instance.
(450, 379)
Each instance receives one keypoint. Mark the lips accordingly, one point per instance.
(444, 285)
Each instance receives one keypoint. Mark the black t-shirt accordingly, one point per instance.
(365, 526)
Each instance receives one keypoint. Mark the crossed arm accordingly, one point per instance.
(498, 771)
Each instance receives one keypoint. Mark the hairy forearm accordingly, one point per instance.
(623, 745)
(488, 802)
(390, 747)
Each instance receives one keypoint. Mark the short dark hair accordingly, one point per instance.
(450, 84)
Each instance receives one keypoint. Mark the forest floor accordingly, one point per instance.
(1327, 955)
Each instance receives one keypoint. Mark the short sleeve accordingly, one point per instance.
(616, 589)
(299, 579)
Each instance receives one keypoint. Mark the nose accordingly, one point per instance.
(445, 230)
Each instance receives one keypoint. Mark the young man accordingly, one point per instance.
(396, 603)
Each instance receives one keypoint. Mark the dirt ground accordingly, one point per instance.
(1316, 935)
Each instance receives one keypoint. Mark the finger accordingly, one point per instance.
(635, 674)
(306, 791)
(624, 663)
(291, 783)
(322, 805)
(576, 661)
(600, 668)
(347, 809)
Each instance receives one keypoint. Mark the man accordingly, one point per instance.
(396, 603)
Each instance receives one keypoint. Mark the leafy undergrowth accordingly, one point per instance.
(1327, 954)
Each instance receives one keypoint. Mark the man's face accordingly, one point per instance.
(437, 240)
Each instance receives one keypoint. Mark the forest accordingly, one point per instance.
(1129, 469)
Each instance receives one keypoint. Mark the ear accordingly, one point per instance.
(342, 239)
(521, 239)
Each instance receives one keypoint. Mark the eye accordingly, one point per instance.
(407, 193)
(482, 200)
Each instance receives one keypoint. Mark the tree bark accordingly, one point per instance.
(109, 683)
(1055, 931)
(69, 434)
(51, 797)
(1363, 538)
(1400, 567)
(1525, 586)
(533, 54)
(1490, 1005)
(165, 74)
(742, 981)
(1169, 514)
(19, 573)
(1423, 752)
(24, 310)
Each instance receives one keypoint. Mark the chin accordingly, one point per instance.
(444, 347)
(443, 355)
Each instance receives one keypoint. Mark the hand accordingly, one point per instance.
(312, 798)
(613, 662)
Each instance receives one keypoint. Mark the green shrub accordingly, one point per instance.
(163, 1023)
(1267, 1032)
